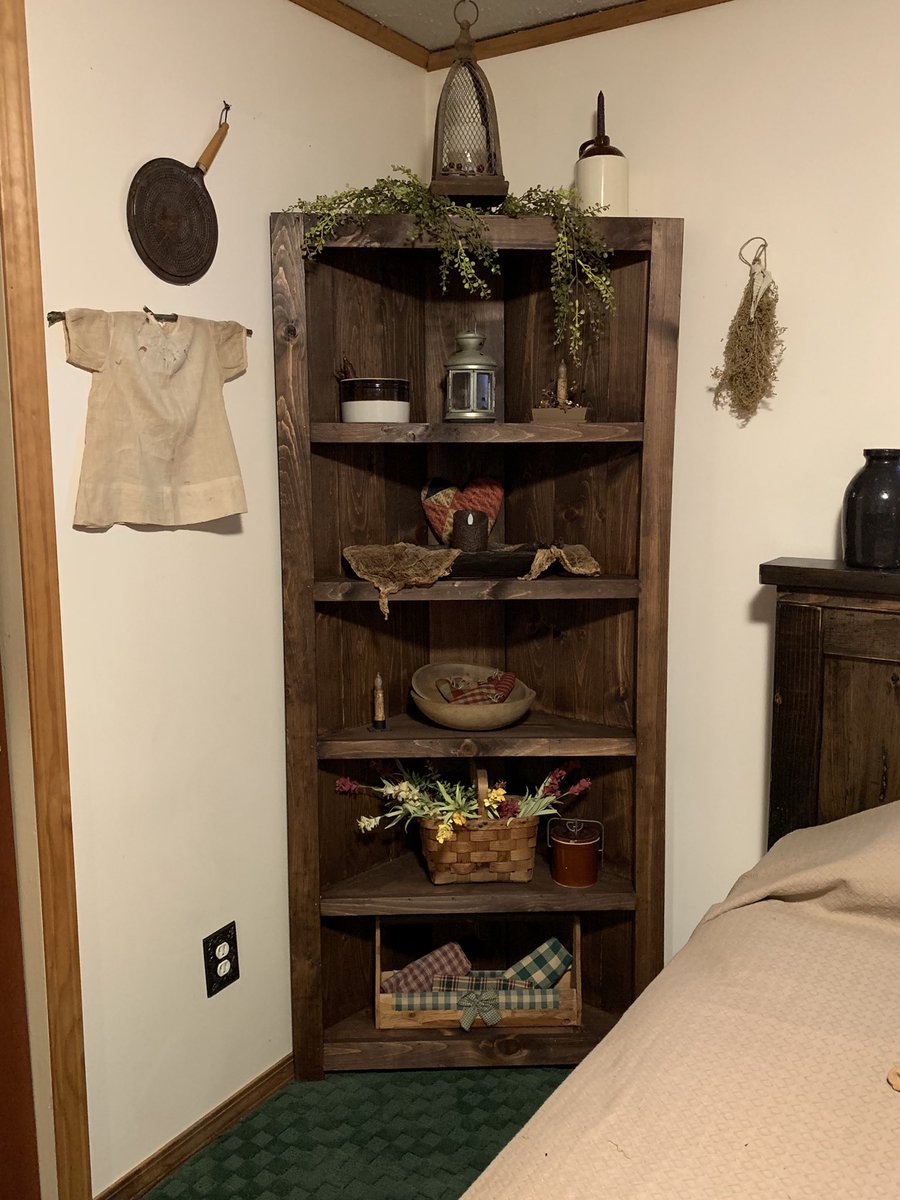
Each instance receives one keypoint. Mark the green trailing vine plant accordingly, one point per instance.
(580, 281)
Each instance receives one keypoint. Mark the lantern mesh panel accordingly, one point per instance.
(467, 147)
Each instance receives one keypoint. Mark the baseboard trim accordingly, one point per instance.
(169, 1157)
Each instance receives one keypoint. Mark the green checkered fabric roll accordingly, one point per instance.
(477, 981)
(530, 998)
(543, 967)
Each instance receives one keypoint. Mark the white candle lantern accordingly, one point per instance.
(471, 381)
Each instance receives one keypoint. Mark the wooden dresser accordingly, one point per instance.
(836, 693)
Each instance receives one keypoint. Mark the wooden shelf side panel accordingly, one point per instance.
(660, 370)
(294, 469)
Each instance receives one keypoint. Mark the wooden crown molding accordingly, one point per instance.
(365, 27)
(507, 43)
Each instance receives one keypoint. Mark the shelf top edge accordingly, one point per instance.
(828, 575)
(419, 432)
(506, 233)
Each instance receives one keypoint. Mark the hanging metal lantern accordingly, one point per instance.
(467, 165)
(471, 381)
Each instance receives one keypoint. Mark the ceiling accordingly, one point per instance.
(423, 31)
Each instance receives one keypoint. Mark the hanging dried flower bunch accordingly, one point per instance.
(754, 347)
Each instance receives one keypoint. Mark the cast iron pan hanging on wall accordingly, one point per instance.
(171, 217)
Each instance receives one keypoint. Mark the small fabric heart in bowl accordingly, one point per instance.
(441, 500)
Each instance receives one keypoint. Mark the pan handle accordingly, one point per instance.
(205, 161)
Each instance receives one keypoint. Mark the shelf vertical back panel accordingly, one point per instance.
(626, 346)
(530, 355)
(368, 313)
(292, 414)
(454, 311)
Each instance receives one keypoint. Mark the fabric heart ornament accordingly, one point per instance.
(441, 500)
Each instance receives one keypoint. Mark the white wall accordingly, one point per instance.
(752, 117)
(172, 639)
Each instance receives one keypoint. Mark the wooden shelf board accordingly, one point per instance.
(328, 432)
(506, 233)
(402, 886)
(550, 587)
(538, 734)
(825, 574)
(356, 1045)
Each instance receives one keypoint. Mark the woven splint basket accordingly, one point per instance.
(486, 850)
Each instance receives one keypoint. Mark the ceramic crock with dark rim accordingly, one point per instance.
(871, 513)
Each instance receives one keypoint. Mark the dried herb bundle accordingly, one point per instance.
(753, 348)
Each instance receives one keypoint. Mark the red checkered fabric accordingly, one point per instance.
(417, 977)
(493, 690)
(441, 500)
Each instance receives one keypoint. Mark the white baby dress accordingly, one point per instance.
(157, 446)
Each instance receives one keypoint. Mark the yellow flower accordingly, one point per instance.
(459, 818)
(495, 796)
(444, 833)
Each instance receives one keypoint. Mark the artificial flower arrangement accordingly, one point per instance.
(409, 794)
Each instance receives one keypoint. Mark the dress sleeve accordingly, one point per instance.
(231, 348)
(88, 334)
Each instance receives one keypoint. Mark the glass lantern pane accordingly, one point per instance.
(484, 392)
(465, 149)
(459, 391)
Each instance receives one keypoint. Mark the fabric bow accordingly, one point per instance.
(479, 1004)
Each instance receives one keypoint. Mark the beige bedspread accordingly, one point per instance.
(755, 1066)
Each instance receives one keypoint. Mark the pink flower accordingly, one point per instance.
(501, 783)
(581, 786)
(508, 808)
(553, 781)
(346, 786)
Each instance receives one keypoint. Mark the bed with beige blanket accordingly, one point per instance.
(755, 1066)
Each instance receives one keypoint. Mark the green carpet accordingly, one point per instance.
(374, 1135)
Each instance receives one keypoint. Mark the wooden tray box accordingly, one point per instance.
(568, 1013)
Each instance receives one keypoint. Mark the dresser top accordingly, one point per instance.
(826, 574)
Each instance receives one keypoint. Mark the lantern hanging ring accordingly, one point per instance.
(759, 256)
(457, 6)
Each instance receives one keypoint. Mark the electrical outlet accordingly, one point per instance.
(220, 958)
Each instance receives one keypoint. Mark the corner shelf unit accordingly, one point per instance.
(594, 649)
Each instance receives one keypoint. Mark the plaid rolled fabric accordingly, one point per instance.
(542, 967)
(495, 689)
(527, 998)
(477, 981)
(417, 977)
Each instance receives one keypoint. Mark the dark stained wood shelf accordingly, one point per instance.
(825, 574)
(595, 648)
(538, 734)
(354, 1044)
(634, 234)
(401, 886)
(549, 587)
(328, 432)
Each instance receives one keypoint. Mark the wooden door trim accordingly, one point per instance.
(40, 594)
(17, 1094)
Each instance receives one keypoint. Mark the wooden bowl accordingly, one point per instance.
(467, 716)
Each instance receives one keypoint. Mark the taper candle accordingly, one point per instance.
(379, 722)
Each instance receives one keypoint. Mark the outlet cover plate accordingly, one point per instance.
(220, 958)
